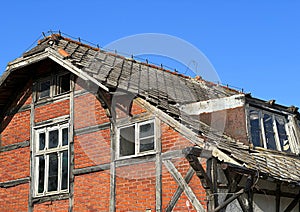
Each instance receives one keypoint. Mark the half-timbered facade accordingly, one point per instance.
(87, 130)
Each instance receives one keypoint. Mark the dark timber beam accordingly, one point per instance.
(229, 200)
(291, 206)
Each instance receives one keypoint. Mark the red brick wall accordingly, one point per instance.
(172, 140)
(91, 192)
(135, 187)
(14, 164)
(16, 128)
(232, 121)
(169, 187)
(14, 198)
(52, 110)
(88, 111)
(55, 206)
(92, 149)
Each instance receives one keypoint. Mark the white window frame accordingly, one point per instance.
(137, 140)
(275, 130)
(54, 86)
(46, 152)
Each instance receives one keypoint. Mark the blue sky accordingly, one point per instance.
(254, 45)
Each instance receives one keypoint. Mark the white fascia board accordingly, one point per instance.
(214, 105)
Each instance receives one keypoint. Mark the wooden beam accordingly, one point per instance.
(14, 146)
(229, 200)
(291, 206)
(278, 197)
(184, 186)
(200, 172)
(158, 168)
(13, 183)
(179, 190)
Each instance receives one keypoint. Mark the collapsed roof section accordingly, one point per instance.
(168, 91)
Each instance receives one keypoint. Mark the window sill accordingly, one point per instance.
(141, 155)
(51, 197)
(52, 99)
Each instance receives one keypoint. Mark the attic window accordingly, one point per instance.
(44, 89)
(136, 139)
(269, 130)
(55, 85)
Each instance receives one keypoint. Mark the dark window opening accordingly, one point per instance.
(255, 128)
(63, 83)
(44, 89)
(127, 141)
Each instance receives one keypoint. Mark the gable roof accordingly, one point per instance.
(162, 88)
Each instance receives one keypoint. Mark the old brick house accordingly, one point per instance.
(87, 130)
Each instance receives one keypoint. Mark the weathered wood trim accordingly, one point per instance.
(136, 160)
(158, 168)
(38, 200)
(53, 121)
(92, 129)
(179, 191)
(51, 100)
(172, 154)
(71, 145)
(32, 145)
(184, 186)
(212, 174)
(112, 194)
(14, 146)
(91, 169)
(13, 183)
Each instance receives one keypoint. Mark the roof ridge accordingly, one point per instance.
(55, 37)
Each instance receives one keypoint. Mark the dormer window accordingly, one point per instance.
(52, 86)
(269, 130)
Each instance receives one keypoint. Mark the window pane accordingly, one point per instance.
(53, 172)
(53, 139)
(42, 138)
(41, 177)
(127, 141)
(146, 130)
(255, 130)
(146, 144)
(63, 83)
(268, 126)
(65, 169)
(65, 140)
(44, 90)
(284, 143)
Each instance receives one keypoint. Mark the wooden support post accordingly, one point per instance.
(278, 197)
(112, 203)
(158, 169)
(184, 186)
(213, 175)
(71, 142)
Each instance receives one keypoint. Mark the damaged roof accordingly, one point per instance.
(162, 88)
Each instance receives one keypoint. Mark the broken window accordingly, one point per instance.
(136, 139)
(268, 130)
(55, 85)
(63, 84)
(51, 160)
(44, 89)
